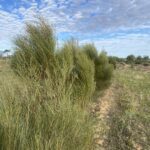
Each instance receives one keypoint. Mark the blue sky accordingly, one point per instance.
(121, 27)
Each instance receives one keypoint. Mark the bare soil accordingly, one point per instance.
(102, 109)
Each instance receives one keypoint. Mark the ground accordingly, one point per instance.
(122, 112)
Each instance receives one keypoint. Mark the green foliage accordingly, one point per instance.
(32, 119)
(138, 60)
(81, 72)
(44, 109)
(118, 59)
(103, 71)
(84, 83)
(91, 51)
(113, 61)
(35, 57)
(58, 85)
(130, 59)
(103, 67)
(146, 58)
(35, 51)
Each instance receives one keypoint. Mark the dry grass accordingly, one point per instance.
(35, 118)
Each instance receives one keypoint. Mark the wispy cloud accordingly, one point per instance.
(123, 45)
(99, 21)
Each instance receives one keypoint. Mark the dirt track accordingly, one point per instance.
(103, 108)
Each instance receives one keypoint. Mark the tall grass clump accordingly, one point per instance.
(90, 51)
(30, 121)
(35, 51)
(103, 69)
(81, 72)
(41, 107)
(36, 56)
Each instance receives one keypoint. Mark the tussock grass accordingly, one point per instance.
(81, 71)
(31, 118)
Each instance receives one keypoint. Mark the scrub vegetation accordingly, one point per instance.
(45, 92)
(72, 97)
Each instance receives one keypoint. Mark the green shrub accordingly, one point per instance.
(84, 83)
(35, 51)
(91, 51)
(35, 57)
(48, 112)
(103, 71)
(81, 72)
(45, 109)
(103, 67)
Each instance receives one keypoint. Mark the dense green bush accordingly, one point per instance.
(36, 57)
(91, 51)
(103, 71)
(59, 83)
(45, 109)
(35, 51)
(81, 72)
(103, 67)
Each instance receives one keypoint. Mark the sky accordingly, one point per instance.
(120, 27)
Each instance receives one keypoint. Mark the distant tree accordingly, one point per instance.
(146, 61)
(146, 58)
(5, 53)
(130, 59)
(139, 60)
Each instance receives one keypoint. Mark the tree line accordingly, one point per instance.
(130, 59)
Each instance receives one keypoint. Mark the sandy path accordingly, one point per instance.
(102, 110)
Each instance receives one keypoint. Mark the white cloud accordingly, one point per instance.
(86, 17)
(124, 45)
(78, 15)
